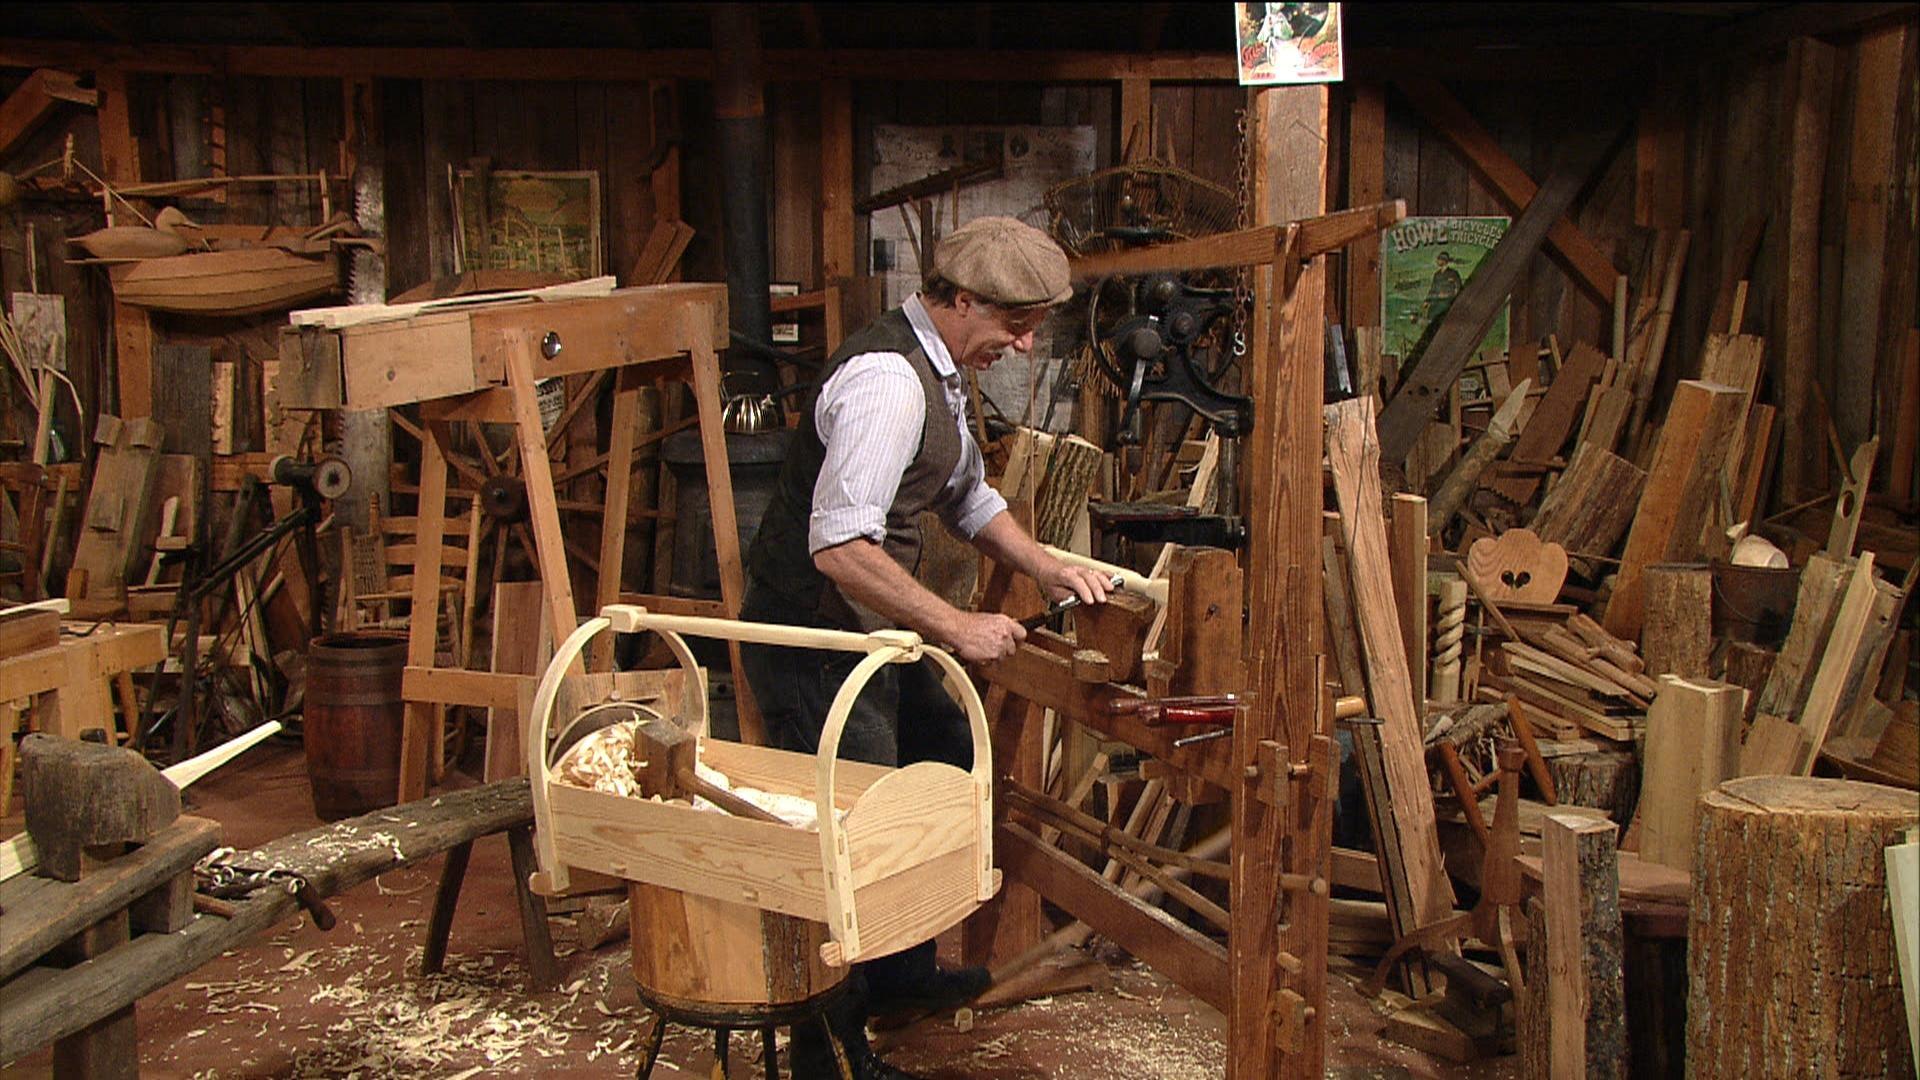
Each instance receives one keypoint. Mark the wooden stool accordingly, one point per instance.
(724, 1022)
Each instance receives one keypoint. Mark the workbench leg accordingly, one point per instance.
(613, 523)
(543, 971)
(107, 1049)
(433, 956)
(129, 707)
(1012, 922)
(423, 629)
(536, 470)
(707, 394)
(11, 717)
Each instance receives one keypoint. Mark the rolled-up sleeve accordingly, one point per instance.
(869, 415)
(978, 502)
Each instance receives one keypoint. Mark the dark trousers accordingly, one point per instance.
(903, 716)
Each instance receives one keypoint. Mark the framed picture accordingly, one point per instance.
(545, 221)
(1288, 43)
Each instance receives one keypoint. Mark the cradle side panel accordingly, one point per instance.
(776, 867)
(787, 773)
(908, 818)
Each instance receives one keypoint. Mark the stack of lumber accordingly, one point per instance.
(1573, 679)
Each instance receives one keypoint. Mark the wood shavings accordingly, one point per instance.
(603, 761)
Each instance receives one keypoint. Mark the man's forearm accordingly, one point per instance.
(1005, 542)
(864, 571)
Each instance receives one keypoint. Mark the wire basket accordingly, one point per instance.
(1129, 205)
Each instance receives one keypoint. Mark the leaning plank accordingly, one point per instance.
(1822, 581)
(1355, 454)
(1585, 992)
(1553, 420)
(44, 1004)
(1828, 694)
(1903, 897)
(1683, 485)
(1591, 507)
(356, 314)
(1465, 324)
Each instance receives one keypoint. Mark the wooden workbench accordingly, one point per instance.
(481, 363)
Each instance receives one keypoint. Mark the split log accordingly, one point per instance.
(1693, 744)
(1677, 636)
(1789, 937)
(1592, 506)
(1605, 779)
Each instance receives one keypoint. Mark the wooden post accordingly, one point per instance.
(836, 187)
(132, 328)
(1808, 98)
(1409, 542)
(1585, 995)
(613, 527)
(1789, 941)
(421, 717)
(1366, 185)
(1282, 728)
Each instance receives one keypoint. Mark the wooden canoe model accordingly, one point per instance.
(239, 282)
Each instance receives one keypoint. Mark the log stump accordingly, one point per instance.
(1789, 940)
(1605, 779)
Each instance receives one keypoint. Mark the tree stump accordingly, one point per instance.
(1789, 942)
(1605, 779)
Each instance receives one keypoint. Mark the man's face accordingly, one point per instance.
(989, 330)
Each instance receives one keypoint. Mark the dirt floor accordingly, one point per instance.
(347, 1003)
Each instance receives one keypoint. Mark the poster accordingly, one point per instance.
(1424, 263)
(1288, 43)
(546, 221)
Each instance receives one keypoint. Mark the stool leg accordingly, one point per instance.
(720, 1050)
(543, 969)
(839, 1051)
(654, 1039)
(440, 924)
(772, 1053)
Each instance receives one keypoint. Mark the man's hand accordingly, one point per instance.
(980, 636)
(1061, 579)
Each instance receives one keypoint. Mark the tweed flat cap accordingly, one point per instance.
(1005, 261)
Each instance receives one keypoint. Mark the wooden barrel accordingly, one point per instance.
(352, 722)
(1789, 940)
(697, 954)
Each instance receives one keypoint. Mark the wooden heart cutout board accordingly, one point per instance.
(1519, 567)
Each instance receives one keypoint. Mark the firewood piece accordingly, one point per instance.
(1619, 653)
(1682, 486)
(1816, 599)
(1789, 936)
(1592, 506)
(1677, 635)
(1693, 744)
(1354, 451)
(1453, 491)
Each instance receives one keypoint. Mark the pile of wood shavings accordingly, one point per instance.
(603, 761)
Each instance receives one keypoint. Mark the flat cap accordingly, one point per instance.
(1005, 261)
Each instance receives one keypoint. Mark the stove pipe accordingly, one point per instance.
(740, 114)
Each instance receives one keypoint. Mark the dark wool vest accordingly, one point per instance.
(779, 560)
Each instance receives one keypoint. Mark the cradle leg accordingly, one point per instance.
(654, 1039)
(720, 1050)
(772, 1054)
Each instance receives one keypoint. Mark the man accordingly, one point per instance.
(884, 438)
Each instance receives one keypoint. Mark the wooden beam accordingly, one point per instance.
(1583, 260)
(621, 65)
(133, 337)
(1775, 26)
(1693, 743)
(1285, 666)
(836, 183)
(1808, 101)
(1258, 246)
(1409, 545)
(1366, 184)
(1465, 324)
(33, 101)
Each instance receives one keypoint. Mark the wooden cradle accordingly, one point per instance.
(911, 857)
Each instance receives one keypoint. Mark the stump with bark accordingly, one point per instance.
(1790, 942)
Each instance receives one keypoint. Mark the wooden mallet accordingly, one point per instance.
(668, 770)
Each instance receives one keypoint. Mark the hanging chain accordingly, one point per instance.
(1243, 200)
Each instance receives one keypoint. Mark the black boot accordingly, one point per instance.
(911, 982)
